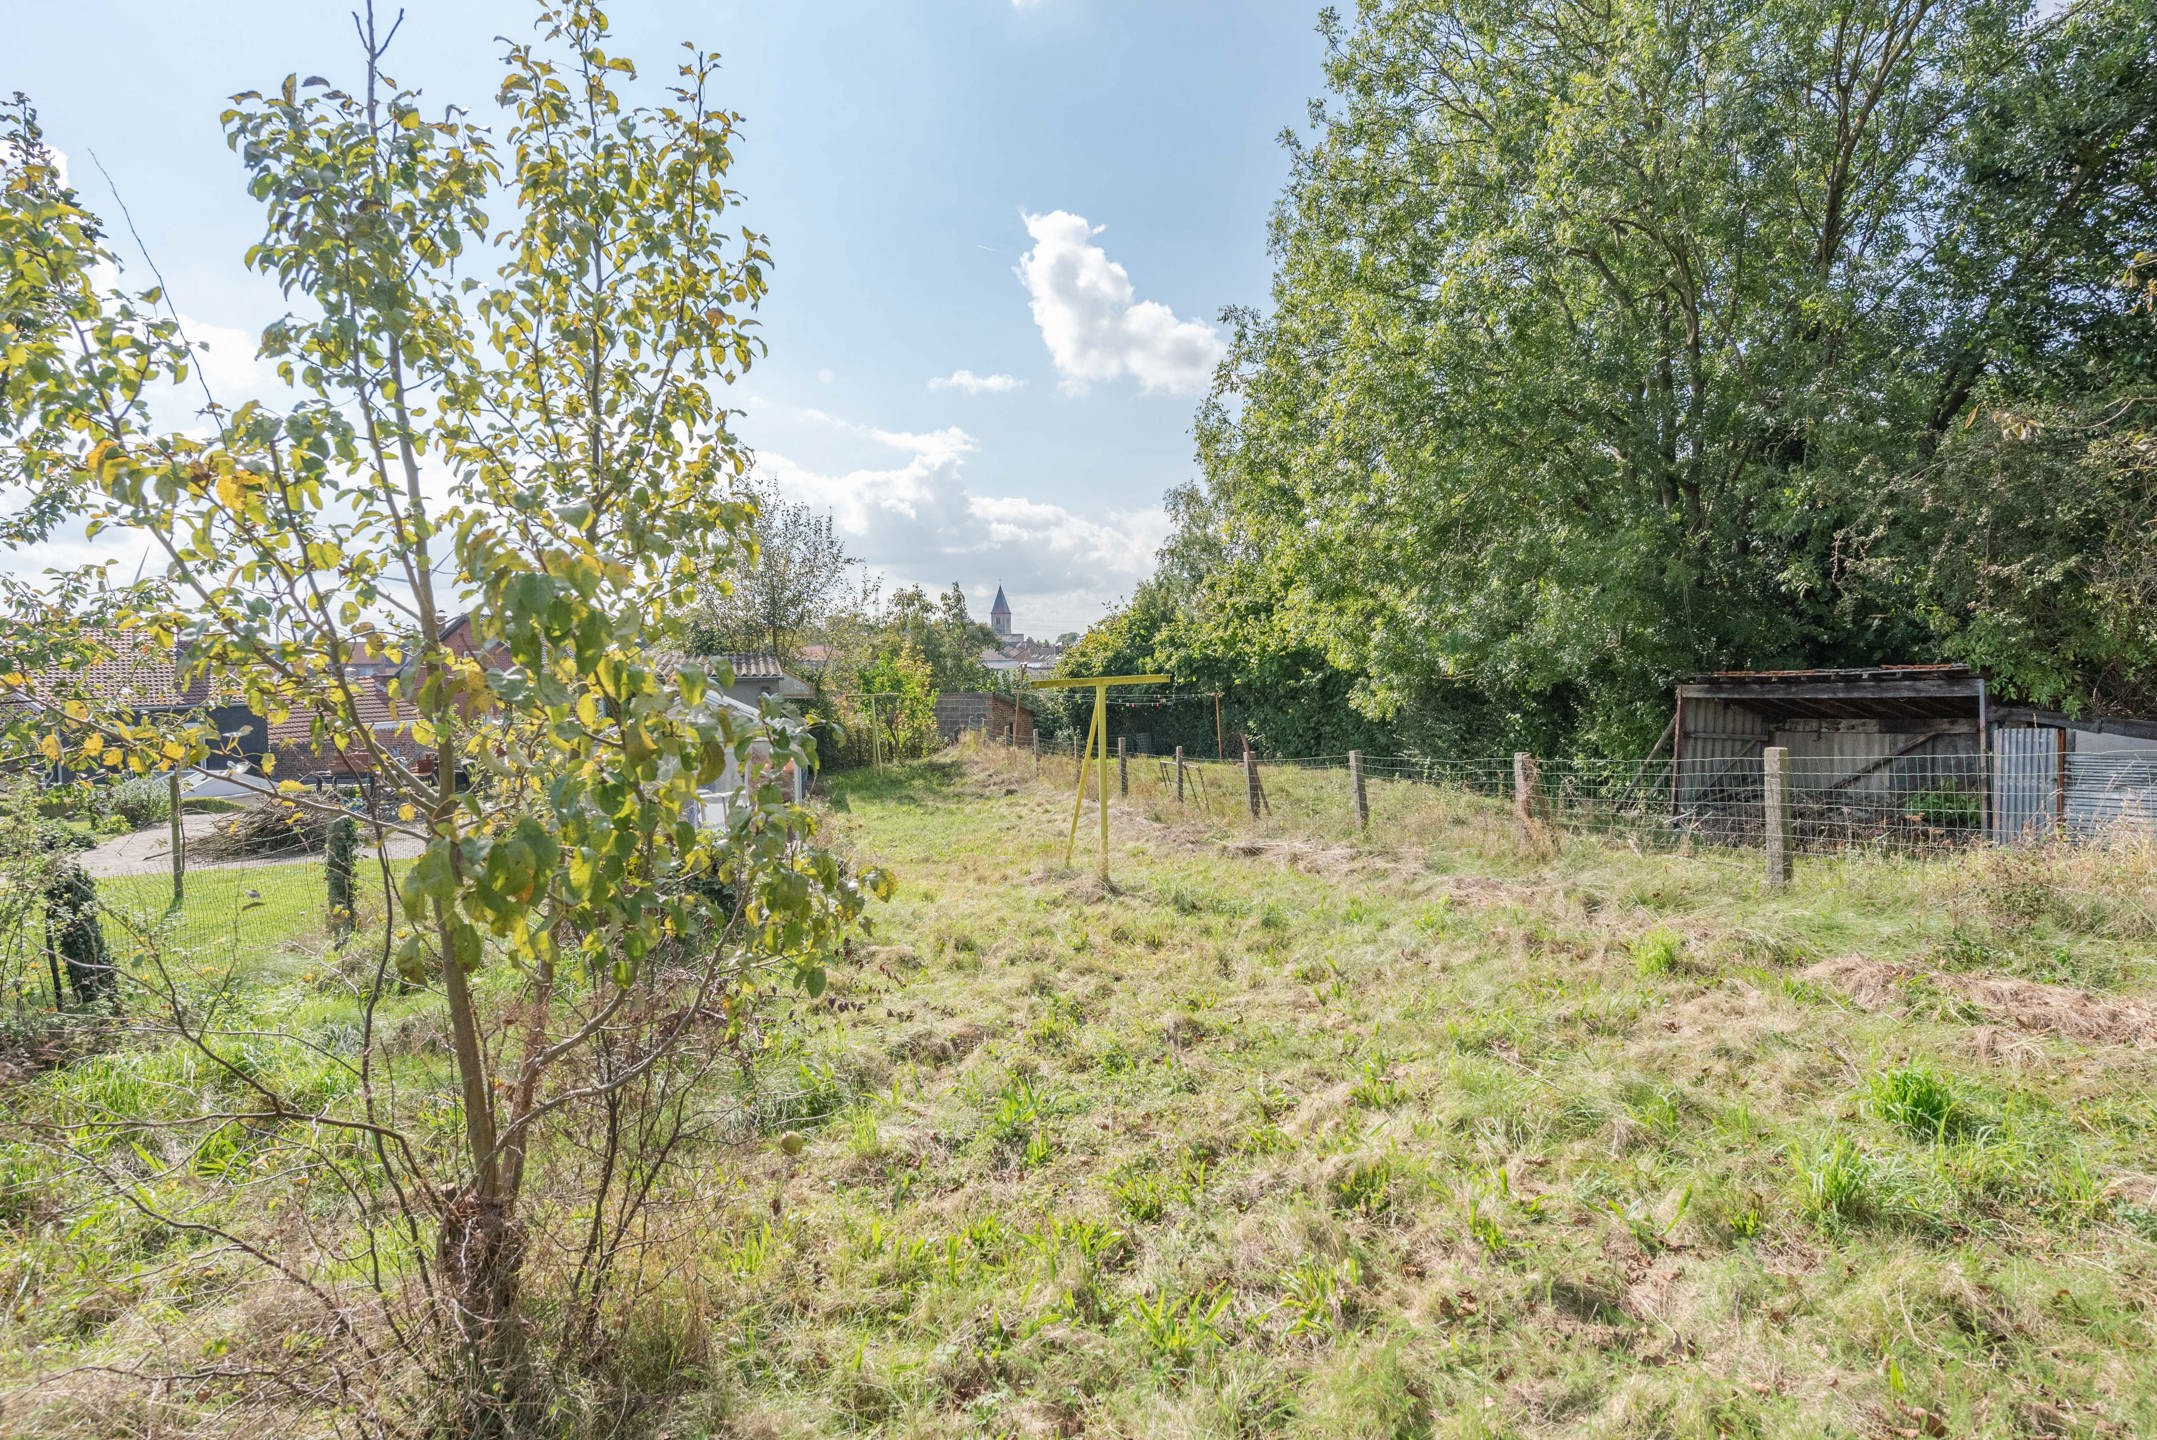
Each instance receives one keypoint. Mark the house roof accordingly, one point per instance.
(756, 665)
(130, 670)
(371, 707)
(1870, 692)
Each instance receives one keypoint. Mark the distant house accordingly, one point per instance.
(757, 674)
(1000, 717)
(300, 756)
(137, 676)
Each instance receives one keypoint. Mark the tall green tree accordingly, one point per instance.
(947, 636)
(1598, 331)
(799, 570)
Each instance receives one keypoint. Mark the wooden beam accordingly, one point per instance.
(1768, 696)
(1087, 682)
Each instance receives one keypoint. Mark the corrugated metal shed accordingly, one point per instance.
(1886, 747)
(2109, 792)
(2029, 767)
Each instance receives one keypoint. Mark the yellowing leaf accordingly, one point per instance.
(50, 746)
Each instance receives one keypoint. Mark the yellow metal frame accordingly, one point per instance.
(1096, 740)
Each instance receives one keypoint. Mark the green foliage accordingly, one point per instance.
(75, 937)
(339, 863)
(1920, 1099)
(1656, 953)
(1694, 395)
(140, 802)
(1214, 629)
(1838, 1182)
(947, 637)
(510, 341)
(795, 569)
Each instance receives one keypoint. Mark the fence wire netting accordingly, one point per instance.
(1910, 801)
(202, 921)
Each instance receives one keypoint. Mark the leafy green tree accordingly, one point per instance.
(798, 570)
(510, 346)
(948, 638)
(1598, 333)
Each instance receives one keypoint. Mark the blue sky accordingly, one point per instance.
(1043, 206)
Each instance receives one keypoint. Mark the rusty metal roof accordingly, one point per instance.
(1858, 673)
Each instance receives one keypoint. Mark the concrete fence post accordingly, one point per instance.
(1360, 800)
(1527, 791)
(1179, 774)
(1251, 791)
(1123, 765)
(1035, 737)
(1775, 808)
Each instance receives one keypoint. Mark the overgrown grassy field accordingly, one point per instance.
(1438, 1131)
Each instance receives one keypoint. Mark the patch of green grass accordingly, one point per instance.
(1656, 953)
(1920, 1099)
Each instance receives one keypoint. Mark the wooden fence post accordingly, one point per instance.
(1775, 805)
(1123, 765)
(1362, 800)
(1527, 785)
(179, 844)
(1250, 776)
(1179, 774)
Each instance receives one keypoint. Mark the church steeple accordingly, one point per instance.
(1000, 614)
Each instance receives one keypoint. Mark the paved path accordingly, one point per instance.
(149, 852)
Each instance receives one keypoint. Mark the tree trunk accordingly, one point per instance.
(479, 1255)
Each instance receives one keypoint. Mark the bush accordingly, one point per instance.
(75, 938)
(141, 803)
(339, 860)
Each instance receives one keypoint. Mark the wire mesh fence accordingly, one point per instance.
(1901, 801)
(211, 917)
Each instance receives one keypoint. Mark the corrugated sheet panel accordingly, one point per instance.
(2026, 783)
(2112, 792)
(1878, 766)
(1721, 752)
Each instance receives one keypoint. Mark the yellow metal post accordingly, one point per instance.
(1078, 804)
(1096, 735)
(1100, 709)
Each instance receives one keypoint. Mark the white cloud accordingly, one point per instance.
(225, 358)
(1094, 328)
(910, 515)
(823, 376)
(974, 384)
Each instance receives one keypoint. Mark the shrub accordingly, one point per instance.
(75, 939)
(141, 802)
(339, 861)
